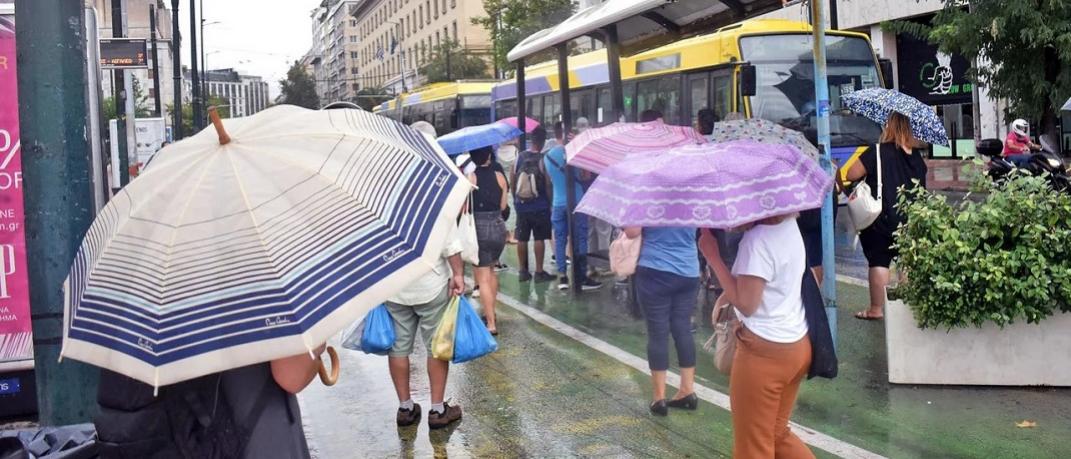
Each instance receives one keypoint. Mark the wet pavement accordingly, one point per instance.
(544, 394)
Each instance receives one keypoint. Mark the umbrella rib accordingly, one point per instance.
(174, 230)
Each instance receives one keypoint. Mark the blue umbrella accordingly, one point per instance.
(473, 137)
(878, 103)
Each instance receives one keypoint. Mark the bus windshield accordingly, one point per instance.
(784, 65)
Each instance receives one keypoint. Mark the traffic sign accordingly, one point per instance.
(123, 53)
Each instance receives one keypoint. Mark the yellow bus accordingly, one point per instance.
(713, 71)
(447, 106)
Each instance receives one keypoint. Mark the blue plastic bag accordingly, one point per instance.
(374, 334)
(471, 338)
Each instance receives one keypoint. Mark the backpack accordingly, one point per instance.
(190, 419)
(529, 176)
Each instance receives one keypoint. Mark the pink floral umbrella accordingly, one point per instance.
(597, 149)
(717, 185)
(529, 124)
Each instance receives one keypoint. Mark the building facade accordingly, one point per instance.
(396, 37)
(332, 58)
(137, 26)
(244, 94)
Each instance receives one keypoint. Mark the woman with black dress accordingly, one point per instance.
(902, 165)
(488, 202)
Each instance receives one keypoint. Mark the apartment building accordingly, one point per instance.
(244, 94)
(333, 55)
(397, 37)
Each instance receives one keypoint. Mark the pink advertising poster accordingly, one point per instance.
(16, 342)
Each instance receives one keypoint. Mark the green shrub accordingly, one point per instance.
(1004, 259)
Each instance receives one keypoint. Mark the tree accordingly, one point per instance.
(368, 98)
(450, 62)
(187, 113)
(1028, 43)
(299, 88)
(141, 104)
(510, 21)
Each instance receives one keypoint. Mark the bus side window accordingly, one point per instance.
(662, 94)
(603, 108)
(699, 88)
(723, 94)
(629, 90)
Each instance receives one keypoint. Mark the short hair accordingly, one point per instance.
(559, 130)
(705, 119)
(538, 138)
(481, 156)
(650, 115)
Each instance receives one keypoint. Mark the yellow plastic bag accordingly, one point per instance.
(442, 343)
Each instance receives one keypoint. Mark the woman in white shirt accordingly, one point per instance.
(773, 351)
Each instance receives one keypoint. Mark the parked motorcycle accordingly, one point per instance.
(1044, 162)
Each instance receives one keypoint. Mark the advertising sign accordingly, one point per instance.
(123, 53)
(16, 342)
(931, 76)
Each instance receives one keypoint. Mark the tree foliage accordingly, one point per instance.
(141, 104)
(299, 88)
(368, 98)
(1028, 43)
(187, 113)
(450, 62)
(510, 21)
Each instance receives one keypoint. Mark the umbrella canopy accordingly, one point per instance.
(878, 103)
(718, 185)
(597, 149)
(529, 124)
(221, 256)
(473, 137)
(763, 131)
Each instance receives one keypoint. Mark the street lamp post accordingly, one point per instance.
(195, 77)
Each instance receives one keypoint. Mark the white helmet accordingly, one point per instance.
(1021, 127)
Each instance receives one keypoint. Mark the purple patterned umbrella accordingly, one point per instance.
(718, 185)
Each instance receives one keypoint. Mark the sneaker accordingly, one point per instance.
(543, 276)
(409, 417)
(501, 267)
(524, 276)
(590, 284)
(450, 414)
(563, 283)
(475, 292)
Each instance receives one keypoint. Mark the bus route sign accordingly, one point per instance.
(123, 53)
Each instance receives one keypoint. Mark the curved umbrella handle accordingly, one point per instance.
(332, 378)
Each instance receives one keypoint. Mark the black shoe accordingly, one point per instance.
(563, 283)
(543, 276)
(524, 276)
(450, 414)
(501, 267)
(689, 402)
(409, 417)
(590, 284)
(658, 408)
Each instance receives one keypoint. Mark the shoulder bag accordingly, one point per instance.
(723, 341)
(863, 207)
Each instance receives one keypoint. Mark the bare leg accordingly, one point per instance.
(488, 281)
(879, 279)
(522, 256)
(819, 273)
(540, 249)
(687, 383)
(399, 373)
(658, 384)
(437, 372)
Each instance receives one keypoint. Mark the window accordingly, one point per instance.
(446, 35)
(453, 3)
(438, 42)
(427, 10)
(722, 94)
(353, 23)
(356, 86)
(444, 7)
(699, 88)
(421, 16)
(455, 31)
(436, 9)
(662, 94)
(354, 71)
(353, 54)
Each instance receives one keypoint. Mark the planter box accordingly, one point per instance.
(1018, 355)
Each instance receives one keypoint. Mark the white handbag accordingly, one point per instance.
(466, 233)
(863, 208)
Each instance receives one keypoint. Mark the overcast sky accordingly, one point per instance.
(257, 37)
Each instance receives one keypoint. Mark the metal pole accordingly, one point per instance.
(522, 108)
(176, 71)
(576, 276)
(821, 92)
(834, 23)
(58, 192)
(204, 63)
(195, 78)
(155, 61)
(613, 60)
(119, 91)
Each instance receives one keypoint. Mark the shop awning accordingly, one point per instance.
(637, 20)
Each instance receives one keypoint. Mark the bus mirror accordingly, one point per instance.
(886, 73)
(747, 80)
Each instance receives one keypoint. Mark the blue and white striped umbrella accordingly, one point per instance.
(473, 137)
(221, 256)
(878, 103)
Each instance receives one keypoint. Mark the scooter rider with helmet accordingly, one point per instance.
(1017, 145)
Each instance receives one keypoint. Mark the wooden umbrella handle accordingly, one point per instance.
(332, 378)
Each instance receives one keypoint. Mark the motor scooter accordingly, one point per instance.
(1043, 162)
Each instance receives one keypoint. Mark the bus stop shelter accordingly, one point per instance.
(637, 25)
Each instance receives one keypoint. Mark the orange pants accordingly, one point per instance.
(765, 380)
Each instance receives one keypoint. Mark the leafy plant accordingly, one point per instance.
(508, 22)
(450, 62)
(1004, 259)
(299, 88)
